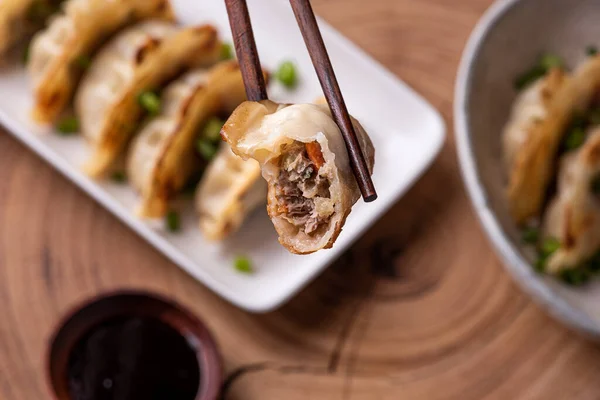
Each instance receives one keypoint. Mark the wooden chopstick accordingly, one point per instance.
(320, 59)
(245, 48)
(254, 81)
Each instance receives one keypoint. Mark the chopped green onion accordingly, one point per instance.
(206, 148)
(243, 265)
(150, 101)
(540, 265)
(574, 277)
(591, 51)
(530, 235)
(544, 64)
(308, 172)
(549, 61)
(574, 139)
(212, 129)
(226, 51)
(119, 177)
(286, 74)
(529, 77)
(68, 125)
(26, 54)
(173, 222)
(549, 246)
(83, 62)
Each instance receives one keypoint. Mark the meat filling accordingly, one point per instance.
(302, 189)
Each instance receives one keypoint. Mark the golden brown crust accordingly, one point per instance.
(534, 165)
(213, 92)
(184, 49)
(55, 83)
(573, 217)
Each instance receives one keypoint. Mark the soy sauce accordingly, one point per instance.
(134, 359)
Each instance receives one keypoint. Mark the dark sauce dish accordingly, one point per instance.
(133, 345)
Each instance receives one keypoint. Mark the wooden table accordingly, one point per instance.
(420, 308)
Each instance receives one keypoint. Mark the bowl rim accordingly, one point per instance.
(519, 269)
(134, 302)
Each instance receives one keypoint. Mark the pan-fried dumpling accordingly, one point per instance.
(230, 190)
(21, 18)
(533, 166)
(573, 216)
(530, 109)
(60, 54)
(305, 163)
(162, 156)
(144, 57)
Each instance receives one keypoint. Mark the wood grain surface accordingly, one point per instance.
(420, 308)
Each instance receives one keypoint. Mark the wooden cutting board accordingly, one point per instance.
(420, 308)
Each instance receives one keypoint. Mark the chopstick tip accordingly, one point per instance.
(370, 198)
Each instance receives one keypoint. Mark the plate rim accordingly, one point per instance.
(435, 142)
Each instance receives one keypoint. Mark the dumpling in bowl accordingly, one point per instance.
(231, 188)
(143, 58)
(19, 19)
(530, 110)
(304, 160)
(573, 216)
(60, 54)
(535, 132)
(162, 157)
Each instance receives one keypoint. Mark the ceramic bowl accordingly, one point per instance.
(508, 40)
(104, 308)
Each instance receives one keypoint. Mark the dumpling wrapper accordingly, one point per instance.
(162, 157)
(530, 109)
(311, 187)
(59, 53)
(573, 216)
(534, 165)
(144, 57)
(230, 189)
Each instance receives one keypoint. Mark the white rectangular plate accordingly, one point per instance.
(407, 133)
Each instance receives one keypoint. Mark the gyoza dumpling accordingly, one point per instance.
(21, 18)
(533, 164)
(162, 156)
(142, 58)
(529, 111)
(573, 216)
(305, 162)
(231, 188)
(60, 53)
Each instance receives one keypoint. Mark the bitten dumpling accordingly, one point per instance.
(60, 54)
(231, 188)
(311, 187)
(21, 18)
(532, 167)
(162, 156)
(144, 57)
(573, 216)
